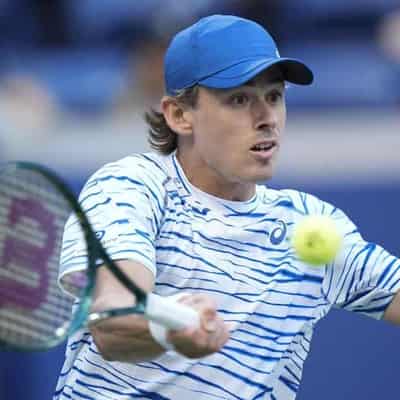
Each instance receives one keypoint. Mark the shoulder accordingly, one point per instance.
(306, 202)
(142, 166)
(303, 202)
(139, 179)
(146, 170)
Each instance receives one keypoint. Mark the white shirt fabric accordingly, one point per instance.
(143, 208)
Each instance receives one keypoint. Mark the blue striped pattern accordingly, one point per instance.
(238, 252)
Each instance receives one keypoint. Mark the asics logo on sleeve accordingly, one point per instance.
(278, 234)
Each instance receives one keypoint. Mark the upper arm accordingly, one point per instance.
(392, 312)
(364, 277)
(372, 293)
(125, 209)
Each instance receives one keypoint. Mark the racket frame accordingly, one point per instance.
(95, 252)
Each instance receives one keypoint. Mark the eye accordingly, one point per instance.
(274, 97)
(239, 99)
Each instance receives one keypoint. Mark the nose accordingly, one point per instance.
(265, 116)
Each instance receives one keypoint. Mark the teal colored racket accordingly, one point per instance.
(35, 313)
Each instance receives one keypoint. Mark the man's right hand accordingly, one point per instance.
(205, 339)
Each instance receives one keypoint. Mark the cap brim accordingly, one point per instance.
(293, 71)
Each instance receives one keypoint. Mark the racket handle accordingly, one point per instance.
(172, 315)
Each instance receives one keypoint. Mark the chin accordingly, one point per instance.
(264, 179)
(260, 172)
(263, 176)
(260, 178)
(256, 174)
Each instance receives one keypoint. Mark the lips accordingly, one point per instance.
(264, 146)
(264, 151)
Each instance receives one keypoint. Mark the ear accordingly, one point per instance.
(178, 117)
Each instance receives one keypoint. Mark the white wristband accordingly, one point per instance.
(160, 332)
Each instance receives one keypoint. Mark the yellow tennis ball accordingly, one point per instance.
(316, 239)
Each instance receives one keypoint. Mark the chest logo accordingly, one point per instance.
(278, 234)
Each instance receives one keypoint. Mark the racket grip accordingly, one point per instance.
(167, 312)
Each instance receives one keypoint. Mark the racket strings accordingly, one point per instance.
(32, 219)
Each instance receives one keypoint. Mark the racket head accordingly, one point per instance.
(35, 313)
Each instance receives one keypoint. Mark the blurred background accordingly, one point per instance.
(76, 76)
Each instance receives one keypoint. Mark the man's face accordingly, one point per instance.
(235, 134)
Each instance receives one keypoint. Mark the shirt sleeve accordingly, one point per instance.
(364, 277)
(125, 209)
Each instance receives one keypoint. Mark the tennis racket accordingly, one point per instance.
(35, 313)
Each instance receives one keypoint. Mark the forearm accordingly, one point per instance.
(126, 339)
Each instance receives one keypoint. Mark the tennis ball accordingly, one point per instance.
(316, 239)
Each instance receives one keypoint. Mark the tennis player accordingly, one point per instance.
(192, 219)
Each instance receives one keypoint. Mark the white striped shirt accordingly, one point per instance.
(144, 209)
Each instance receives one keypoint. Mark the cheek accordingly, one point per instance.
(282, 117)
(217, 130)
(220, 136)
(219, 144)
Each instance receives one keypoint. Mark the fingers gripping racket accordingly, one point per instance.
(35, 314)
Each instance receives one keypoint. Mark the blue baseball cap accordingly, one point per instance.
(225, 51)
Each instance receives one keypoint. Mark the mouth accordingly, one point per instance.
(264, 149)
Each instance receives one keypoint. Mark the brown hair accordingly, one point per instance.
(161, 137)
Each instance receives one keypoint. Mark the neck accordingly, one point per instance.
(208, 180)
